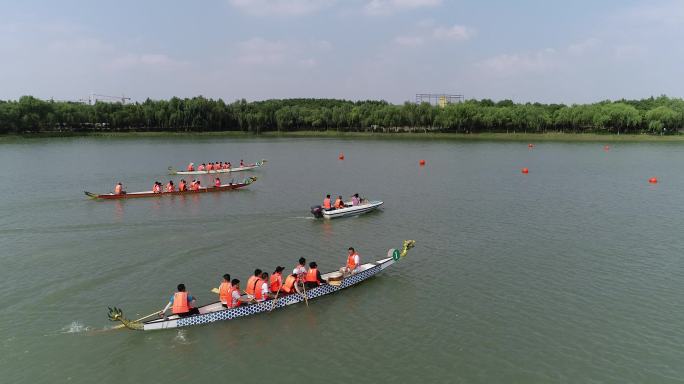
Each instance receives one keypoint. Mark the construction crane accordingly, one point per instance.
(95, 97)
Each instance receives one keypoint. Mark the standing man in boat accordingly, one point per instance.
(118, 189)
(353, 261)
(313, 277)
(276, 280)
(225, 291)
(252, 281)
(339, 203)
(181, 303)
(326, 203)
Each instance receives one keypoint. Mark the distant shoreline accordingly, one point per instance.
(524, 137)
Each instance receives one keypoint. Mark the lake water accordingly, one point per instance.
(571, 273)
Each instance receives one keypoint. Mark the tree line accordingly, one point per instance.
(661, 115)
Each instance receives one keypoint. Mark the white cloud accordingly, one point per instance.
(455, 32)
(385, 7)
(280, 7)
(259, 51)
(409, 41)
(584, 46)
(515, 64)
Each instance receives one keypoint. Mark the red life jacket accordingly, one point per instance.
(288, 287)
(276, 280)
(217, 183)
(312, 276)
(326, 203)
(224, 292)
(182, 186)
(180, 303)
(258, 294)
(351, 264)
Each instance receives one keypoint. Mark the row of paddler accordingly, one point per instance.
(259, 286)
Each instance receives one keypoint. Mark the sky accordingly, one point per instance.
(526, 50)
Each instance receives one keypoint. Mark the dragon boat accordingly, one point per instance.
(348, 210)
(258, 164)
(130, 195)
(216, 312)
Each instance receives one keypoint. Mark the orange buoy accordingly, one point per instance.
(653, 180)
(525, 170)
(341, 156)
(530, 145)
(422, 162)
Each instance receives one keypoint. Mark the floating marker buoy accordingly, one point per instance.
(341, 156)
(525, 170)
(422, 162)
(653, 180)
(530, 145)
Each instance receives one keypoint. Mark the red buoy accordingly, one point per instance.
(525, 170)
(530, 145)
(653, 180)
(422, 162)
(341, 156)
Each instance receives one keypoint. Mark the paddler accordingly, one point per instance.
(224, 291)
(170, 187)
(261, 290)
(210, 166)
(353, 261)
(313, 278)
(202, 167)
(157, 187)
(326, 203)
(182, 186)
(118, 189)
(217, 182)
(191, 167)
(276, 280)
(339, 203)
(195, 186)
(235, 299)
(289, 284)
(181, 303)
(228, 166)
(252, 281)
(300, 269)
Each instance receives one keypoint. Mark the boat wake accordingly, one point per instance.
(75, 327)
(303, 217)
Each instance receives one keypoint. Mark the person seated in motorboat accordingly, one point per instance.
(262, 289)
(157, 187)
(182, 186)
(326, 203)
(242, 163)
(289, 284)
(313, 278)
(181, 303)
(353, 262)
(118, 189)
(170, 187)
(339, 203)
(217, 182)
(224, 291)
(276, 279)
(252, 281)
(191, 167)
(356, 200)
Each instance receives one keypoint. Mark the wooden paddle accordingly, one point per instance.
(306, 299)
(275, 300)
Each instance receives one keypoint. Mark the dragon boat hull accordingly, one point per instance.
(259, 164)
(132, 195)
(216, 312)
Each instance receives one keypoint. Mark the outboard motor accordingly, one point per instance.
(317, 211)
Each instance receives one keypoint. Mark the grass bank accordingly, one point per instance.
(523, 137)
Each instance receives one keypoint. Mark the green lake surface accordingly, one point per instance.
(572, 273)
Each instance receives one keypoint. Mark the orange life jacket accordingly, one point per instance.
(338, 203)
(156, 188)
(326, 203)
(217, 183)
(182, 186)
(195, 187)
(312, 276)
(250, 285)
(257, 290)
(180, 303)
(210, 166)
(351, 263)
(233, 303)
(224, 292)
(190, 168)
(288, 287)
(200, 168)
(276, 280)
(117, 189)
(170, 187)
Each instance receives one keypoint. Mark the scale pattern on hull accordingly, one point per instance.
(253, 309)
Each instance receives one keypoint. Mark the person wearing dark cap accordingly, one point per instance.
(276, 280)
(313, 277)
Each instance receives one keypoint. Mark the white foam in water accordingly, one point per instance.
(75, 327)
(180, 336)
